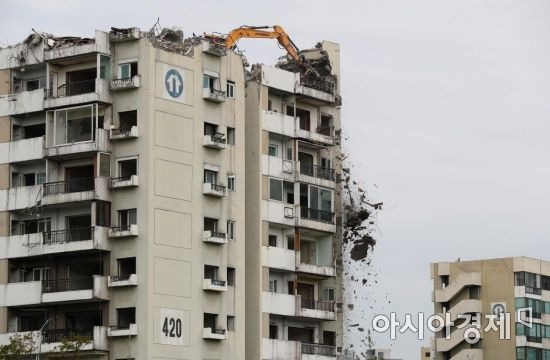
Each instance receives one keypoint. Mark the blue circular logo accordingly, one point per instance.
(173, 83)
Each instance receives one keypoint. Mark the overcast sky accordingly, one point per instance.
(446, 105)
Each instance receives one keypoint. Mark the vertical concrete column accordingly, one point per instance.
(5, 86)
(5, 129)
(4, 176)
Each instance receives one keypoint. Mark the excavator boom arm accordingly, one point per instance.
(259, 32)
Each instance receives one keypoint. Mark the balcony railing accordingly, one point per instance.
(216, 234)
(120, 277)
(533, 290)
(317, 171)
(317, 215)
(218, 331)
(122, 178)
(317, 305)
(218, 138)
(217, 282)
(121, 132)
(72, 284)
(318, 84)
(65, 236)
(58, 335)
(76, 88)
(217, 92)
(68, 186)
(122, 227)
(319, 349)
(327, 131)
(218, 188)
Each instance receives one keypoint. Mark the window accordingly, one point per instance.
(40, 177)
(269, 105)
(104, 67)
(210, 321)
(127, 217)
(273, 286)
(273, 331)
(273, 150)
(290, 242)
(328, 294)
(289, 153)
(210, 82)
(210, 177)
(231, 230)
(230, 276)
(104, 165)
(103, 213)
(127, 70)
(127, 168)
(231, 182)
(211, 225)
(211, 272)
(126, 266)
(210, 129)
(275, 189)
(125, 317)
(127, 119)
(272, 240)
(474, 292)
(230, 135)
(230, 323)
(230, 89)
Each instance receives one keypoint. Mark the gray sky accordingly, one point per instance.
(446, 104)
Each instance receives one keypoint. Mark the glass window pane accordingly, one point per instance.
(275, 189)
(124, 71)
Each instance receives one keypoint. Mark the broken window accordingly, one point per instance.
(126, 266)
(210, 224)
(127, 168)
(211, 272)
(210, 321)
(125, 317)
(210, 129)
(127, 119)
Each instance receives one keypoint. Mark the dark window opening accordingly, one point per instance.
(230, 276)
(210, 321)
(126, 266)
(125, 317)
(127, 119)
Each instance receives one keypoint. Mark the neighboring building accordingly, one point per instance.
(379, 354)
(490, 287)
(293, 211)
(425, 353)
(122, 195)
(124, 208)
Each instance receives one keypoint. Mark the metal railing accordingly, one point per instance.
(218, 331)
(327, 131)
(216, 187)
(115, 278)
(58, 335)
(122, 227)
(217, 282)
(71, 284)
(76, 88)
(218, 138)
(123, 82)
(534, 339)
(317, 84)
(318, 349)
(66, 236)
(533, 290)
(122, 178)
(317, 171)
(216, 234)
(317, 305)
(121, 132)
(317, 215)
(68, 186)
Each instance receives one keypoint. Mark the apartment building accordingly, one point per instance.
(519, 286)
(122, 195)
(293, 211)
(425, 353)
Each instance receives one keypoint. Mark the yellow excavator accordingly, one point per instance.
(276, 32)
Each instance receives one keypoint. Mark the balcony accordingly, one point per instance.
(317, 219)
(460, 282)
(315, 88)
(214, 190)
(279, 304)
(278, 258)
(316, 309)
(124, 231)
(22, 150)
(321, 135)
(214, 334)
(318, 175)
(21, 197)
(125, 84)
(119, 35)
(279, 123)
(213, 49)
(122, 280)
(122, 133)
(99, 143)
(86, 47)
(214, 237)
(75, 289)
(50, 340)
(214, 285)
(213, 95)
(318, 351)
(79, 92)
(21, 293)
(114, 331)
(21, 102)
(278, 212)
(60, 192)
(215, 141)
(319, 270)
(124, 182)
(276, 167)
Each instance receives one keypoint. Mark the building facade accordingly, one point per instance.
(138, 216)
(293, 270)
(519, 286)
(122, 196)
